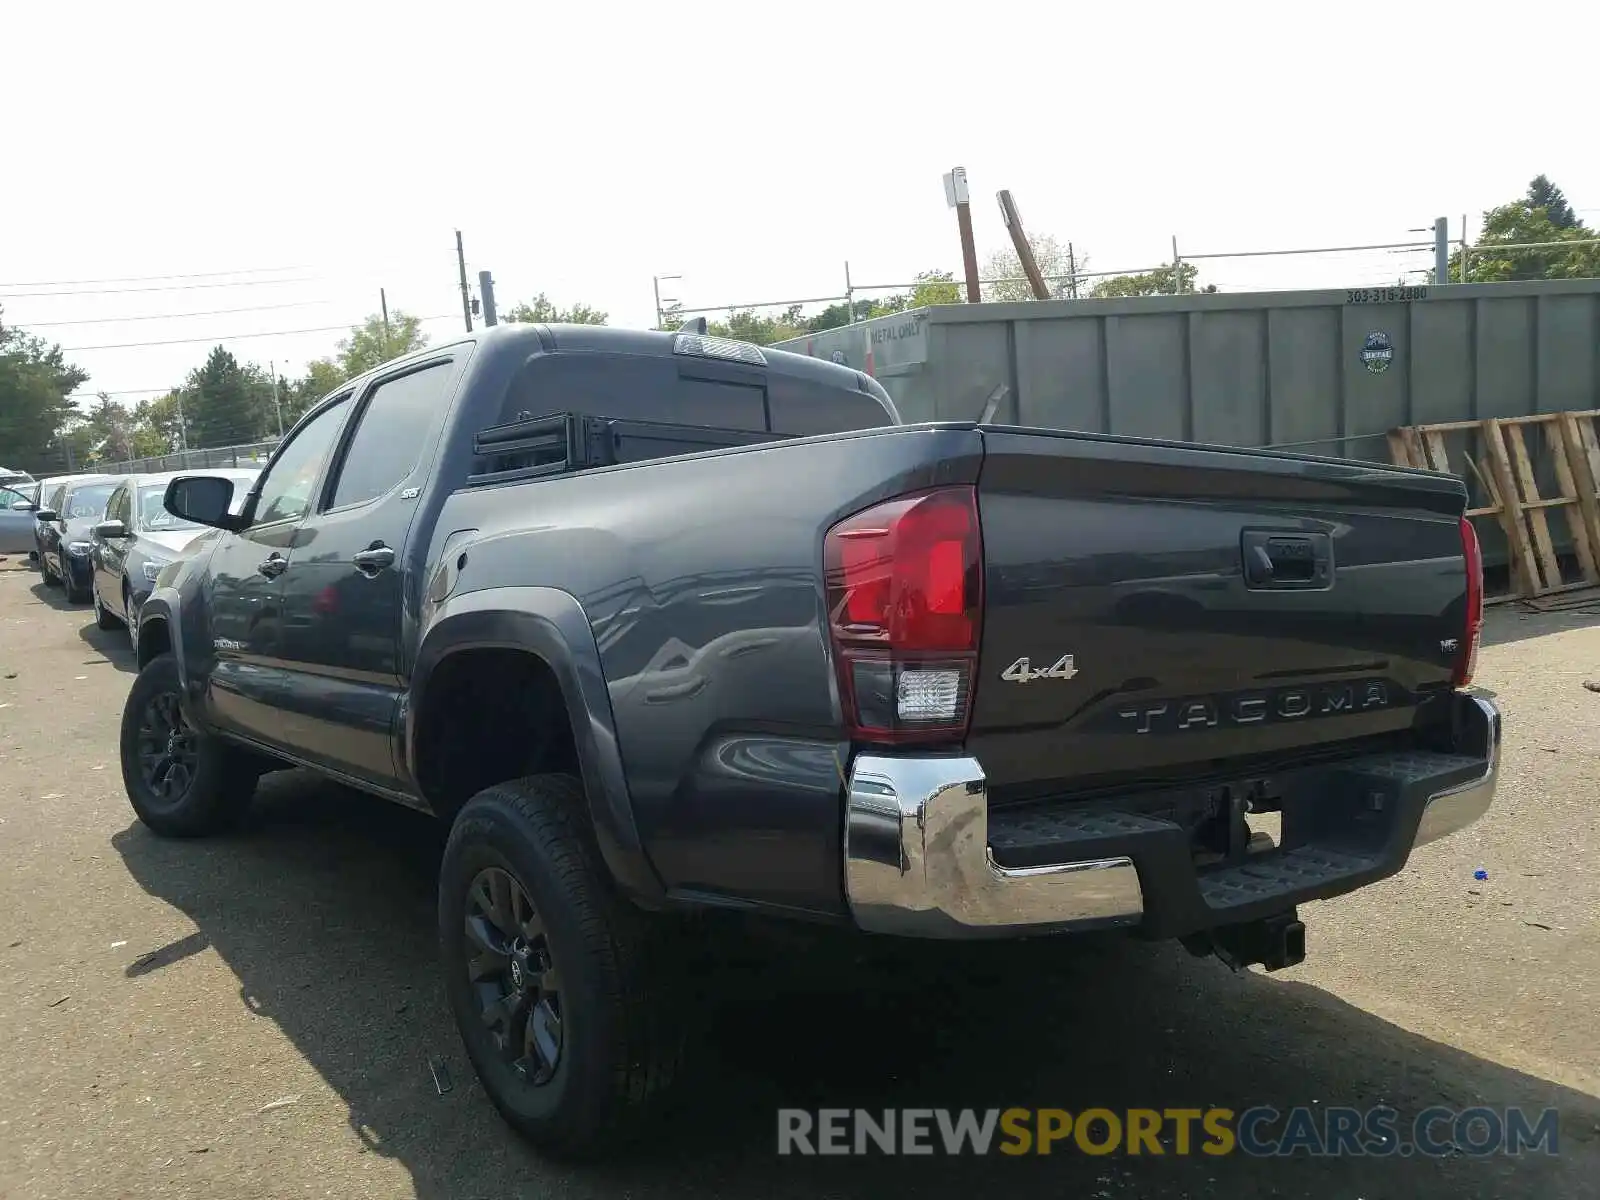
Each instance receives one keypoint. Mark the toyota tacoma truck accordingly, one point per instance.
(662, 624)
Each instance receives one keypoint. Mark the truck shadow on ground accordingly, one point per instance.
(322, 906)
(110, 644)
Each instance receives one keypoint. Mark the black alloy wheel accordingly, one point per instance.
(513, 976)
(169, 756)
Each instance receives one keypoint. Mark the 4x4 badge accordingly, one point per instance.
(1021, 672)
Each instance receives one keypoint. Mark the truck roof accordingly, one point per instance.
(518, 338)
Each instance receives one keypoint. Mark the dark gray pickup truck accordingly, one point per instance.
(662, 624)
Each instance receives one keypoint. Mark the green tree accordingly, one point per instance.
(371, 343)
(35, 383)
(747, 325)
(225, 403)
(155, 426)
(322, 377)
(928, 289)
(836, 316)
(108, 427)
(541, 309)
(1150, 283)
(1055, 263)
(1546, 195)
(763, 329)
(1542, 215)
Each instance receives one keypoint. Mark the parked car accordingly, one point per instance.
(66, 525)
(666, 624)
(16, 519)
(12, 478)
(137, 538)
(40, 491)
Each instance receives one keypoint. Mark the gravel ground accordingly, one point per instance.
(254, 1016)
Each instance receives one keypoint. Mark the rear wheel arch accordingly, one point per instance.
(528, 656)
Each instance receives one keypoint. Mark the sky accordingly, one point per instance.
(196, 174)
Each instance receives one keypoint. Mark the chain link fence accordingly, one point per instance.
(246, 454)
(250, 454)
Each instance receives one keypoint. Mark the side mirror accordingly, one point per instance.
(203, 499)
(22, 506)
(46, 515)
(110, 529)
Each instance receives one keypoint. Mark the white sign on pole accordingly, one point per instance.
(955, 186)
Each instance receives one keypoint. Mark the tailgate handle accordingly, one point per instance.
(1275, 560)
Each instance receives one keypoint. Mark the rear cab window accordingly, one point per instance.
(685, 390)
(639, 388)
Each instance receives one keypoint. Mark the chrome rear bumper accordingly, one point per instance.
(918, 861)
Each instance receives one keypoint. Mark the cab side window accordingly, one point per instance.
(391, 435)
(286, 492)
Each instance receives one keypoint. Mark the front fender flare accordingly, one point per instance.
(164, 604)
(552, 624)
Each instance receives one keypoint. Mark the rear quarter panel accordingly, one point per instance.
(700, 578)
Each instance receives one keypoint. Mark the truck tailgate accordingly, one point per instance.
(1156, 612)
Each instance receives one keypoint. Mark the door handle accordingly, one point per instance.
(373, 559)
(274, 566)
(1287, 561)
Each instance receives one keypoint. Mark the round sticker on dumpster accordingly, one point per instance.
(1377, 352)
(838, 357)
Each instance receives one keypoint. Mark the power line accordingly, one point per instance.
(169, 287)
(119, 392)
(149, 278)
(230, 337)
(214, 312)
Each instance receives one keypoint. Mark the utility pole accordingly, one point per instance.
(1019, 239)
(273, 367)
(486, 293)
(466, 296)
(1072, 272)
(383, 303)
(1177, 267)
(1441, 250)
(183, 432)
(955, 194)
(1463, 247)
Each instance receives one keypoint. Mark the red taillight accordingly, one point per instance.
(905, 599)
(1467, 657)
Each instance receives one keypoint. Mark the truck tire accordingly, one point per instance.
(181, 782)
(564, 994)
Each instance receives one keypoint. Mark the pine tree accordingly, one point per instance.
(1546, 195)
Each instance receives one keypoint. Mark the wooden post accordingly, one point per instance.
(955, 194)
(1019, 239)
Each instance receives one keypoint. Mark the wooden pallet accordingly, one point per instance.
(1505, 477)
